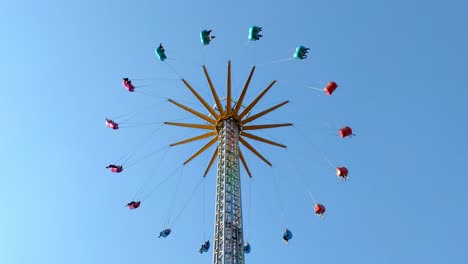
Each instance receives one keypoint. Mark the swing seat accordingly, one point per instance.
(128, 85)
(319, 209)
(247, 248)
(341, 172)
(287, 235)
(160, 54)
(165, 232)
(205, 37)
(253, 33)
(345, 132)
(330, 88)
(116, 169)
(111, 124)
(300, 53)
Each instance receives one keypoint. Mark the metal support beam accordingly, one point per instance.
(228, 234)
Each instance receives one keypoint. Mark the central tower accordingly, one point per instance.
(228, 233)
(227, 126)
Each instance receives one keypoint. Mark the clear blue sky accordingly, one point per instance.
(401, 67)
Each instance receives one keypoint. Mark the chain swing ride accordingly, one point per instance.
(228, 126)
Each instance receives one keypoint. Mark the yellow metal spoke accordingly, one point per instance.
(207, 106)
(244, 91)
(209, 144)
(209, 134)
(188, 109)
(264, 140)
(211, 162)
(213, 91)
(247, 145)
(252, 118)
(244, 163)
(209, 127)
(255, 127)
(251, 105)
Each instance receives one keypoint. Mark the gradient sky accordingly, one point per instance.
(401, 67)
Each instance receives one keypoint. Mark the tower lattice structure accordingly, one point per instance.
(228, 233)
(228, 125)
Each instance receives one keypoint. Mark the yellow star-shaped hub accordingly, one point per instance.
(219, 114)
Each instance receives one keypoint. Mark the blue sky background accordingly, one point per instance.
(401, 68)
